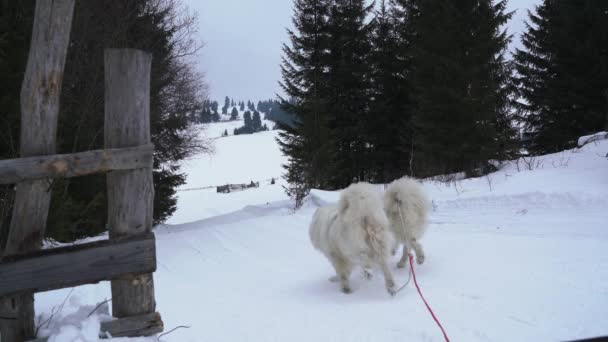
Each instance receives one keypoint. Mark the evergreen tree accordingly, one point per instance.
(256, 122)
(247, 119)
(461, 84)
(206, 115)
(214, 106)
(226, 105)
(389, 123)
(242, 106)
(349, 87)
(215, 117)
(563, 73)
(304, 81)
(234, 115)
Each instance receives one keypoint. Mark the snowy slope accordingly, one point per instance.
(516, 256)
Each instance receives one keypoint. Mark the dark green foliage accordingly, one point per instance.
(256, 121)
(273, 110)
(388, 125)
(226, 105)
(305, 142)
(460, 79)
(252, 124)
(563, 73)
(234, 114)
(78, 206)
(349, 86)
(247, 119)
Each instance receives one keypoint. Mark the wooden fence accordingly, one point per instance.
(128, 258)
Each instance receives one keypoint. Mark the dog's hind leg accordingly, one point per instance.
(389, 282)
(343, 270)
(417, 247)
(403, 261)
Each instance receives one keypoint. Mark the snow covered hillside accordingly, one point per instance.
(519, 255)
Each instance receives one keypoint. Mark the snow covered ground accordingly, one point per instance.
(519, 255)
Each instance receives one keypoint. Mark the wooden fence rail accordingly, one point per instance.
(75, 164)
(56, 268)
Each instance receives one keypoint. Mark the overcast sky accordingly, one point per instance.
(243, 40)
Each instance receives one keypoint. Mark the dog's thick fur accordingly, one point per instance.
(407, 207)
(355, 232)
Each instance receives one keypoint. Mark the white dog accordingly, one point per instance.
(355, 232)
(407, 207)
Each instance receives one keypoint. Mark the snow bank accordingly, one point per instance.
(584, 140)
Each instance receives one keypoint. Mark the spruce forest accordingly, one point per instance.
(429, 87)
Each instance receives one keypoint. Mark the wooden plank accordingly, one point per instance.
(75, 164)
(130, 193)
(77, 265)
(143, 325)
(40, 94)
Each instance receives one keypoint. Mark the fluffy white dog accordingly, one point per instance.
(355, 232)
(407, 207)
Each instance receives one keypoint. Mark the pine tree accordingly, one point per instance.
(348, 80)
(305, 143)
(234, 115)
(247, 119)
(563, 73)
(226, 105)
(256, 122)
(389, 122)
(242, 106)
(461, 84)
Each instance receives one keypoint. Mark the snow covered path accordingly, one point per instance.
(522, 259)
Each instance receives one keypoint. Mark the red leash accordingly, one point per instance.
(424, 300)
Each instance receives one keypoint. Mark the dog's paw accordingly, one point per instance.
(346, 290)
(420, 259)
(391, 291)
(334, 279)
(367, 274)
(401, 264)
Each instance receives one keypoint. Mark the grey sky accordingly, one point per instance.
(243, 40)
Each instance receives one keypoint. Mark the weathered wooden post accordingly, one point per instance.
(130, 193)
(40, 95)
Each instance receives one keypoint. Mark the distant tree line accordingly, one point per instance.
(274, 111)
(252, 124)
(162, 27)
(424, 87)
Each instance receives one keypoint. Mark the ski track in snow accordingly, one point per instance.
(522, 259)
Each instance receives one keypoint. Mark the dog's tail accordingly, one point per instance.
(406, 197)
(377, 238)
(360, 205)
